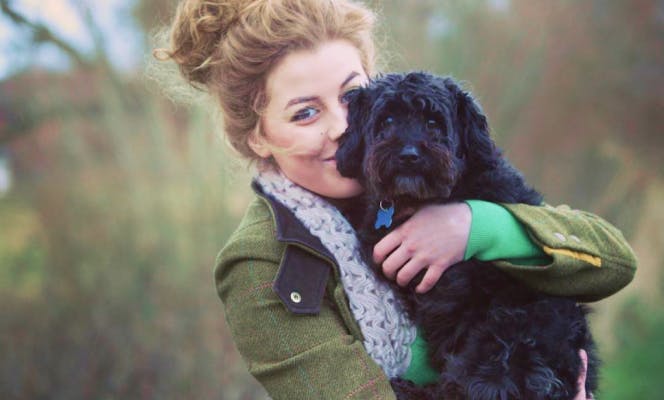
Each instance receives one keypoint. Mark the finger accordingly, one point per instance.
(430, 279)
(386, 246)
(395, 261)
(408, 271)
(581, 381)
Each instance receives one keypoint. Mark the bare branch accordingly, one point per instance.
(43, 34)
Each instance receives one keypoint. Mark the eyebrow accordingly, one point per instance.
(306, 99)
(350, 77)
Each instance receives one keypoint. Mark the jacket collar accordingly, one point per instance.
(289, 228)
(303, 273)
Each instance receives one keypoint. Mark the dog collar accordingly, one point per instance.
(384, 214)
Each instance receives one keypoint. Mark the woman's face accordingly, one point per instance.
(306, 115)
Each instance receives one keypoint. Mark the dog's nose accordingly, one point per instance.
(409, 155)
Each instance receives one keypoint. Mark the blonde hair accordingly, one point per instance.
(228, 48)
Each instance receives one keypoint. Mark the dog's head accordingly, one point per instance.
(412, 136)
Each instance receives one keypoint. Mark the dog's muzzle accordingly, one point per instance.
(408, 170)
(410, 156)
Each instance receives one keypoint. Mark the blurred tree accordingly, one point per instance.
(42, 34)
(116, 217)
(153, 14)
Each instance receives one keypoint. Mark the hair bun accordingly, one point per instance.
(216, 17)
(200, 26)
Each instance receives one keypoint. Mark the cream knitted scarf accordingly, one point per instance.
(388, 333)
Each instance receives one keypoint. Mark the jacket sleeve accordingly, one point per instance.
(590, 258)
(292, 356)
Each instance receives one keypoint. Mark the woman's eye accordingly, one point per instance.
(303, 114)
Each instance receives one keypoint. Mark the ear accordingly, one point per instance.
(258, 144)
(476, 143)
(352, 143)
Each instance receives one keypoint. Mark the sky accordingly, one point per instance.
(63, 17)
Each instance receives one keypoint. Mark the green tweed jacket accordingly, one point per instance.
(290, 319)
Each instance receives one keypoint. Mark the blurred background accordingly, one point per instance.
(114, 200)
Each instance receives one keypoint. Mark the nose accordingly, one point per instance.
(337, 122)
(409, 155)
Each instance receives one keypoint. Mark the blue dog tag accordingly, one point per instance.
(384, 217)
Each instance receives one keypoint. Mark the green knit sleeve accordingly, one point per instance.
(495, 234)
(420, 370)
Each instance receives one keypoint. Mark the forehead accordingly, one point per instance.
(313, 72)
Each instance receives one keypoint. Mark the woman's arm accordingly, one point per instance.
(292, 356)
(585, 257)
(591, 259)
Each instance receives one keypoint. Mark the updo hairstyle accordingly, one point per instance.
(228, 47)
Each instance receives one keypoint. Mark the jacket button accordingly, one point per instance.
(295, 297)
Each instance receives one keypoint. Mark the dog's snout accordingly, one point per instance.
(409, 155)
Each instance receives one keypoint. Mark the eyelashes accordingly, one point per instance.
(309, 112)
(304, 114)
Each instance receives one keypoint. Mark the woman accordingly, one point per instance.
(306, 314)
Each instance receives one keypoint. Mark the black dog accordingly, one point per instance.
(417, 139)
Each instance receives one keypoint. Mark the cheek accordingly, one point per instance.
(307, 148)
(297, 141)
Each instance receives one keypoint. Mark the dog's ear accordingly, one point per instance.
(476, 143)
(350, 154)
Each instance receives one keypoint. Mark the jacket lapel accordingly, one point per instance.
(305, 264)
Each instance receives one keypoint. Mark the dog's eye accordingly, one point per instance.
(433, 124)
(387, 121)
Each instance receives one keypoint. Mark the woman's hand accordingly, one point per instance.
(434, 238)
(581, 382)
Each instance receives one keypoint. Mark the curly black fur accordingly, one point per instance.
(415, 139)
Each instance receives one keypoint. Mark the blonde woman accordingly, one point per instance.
(309, 318)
